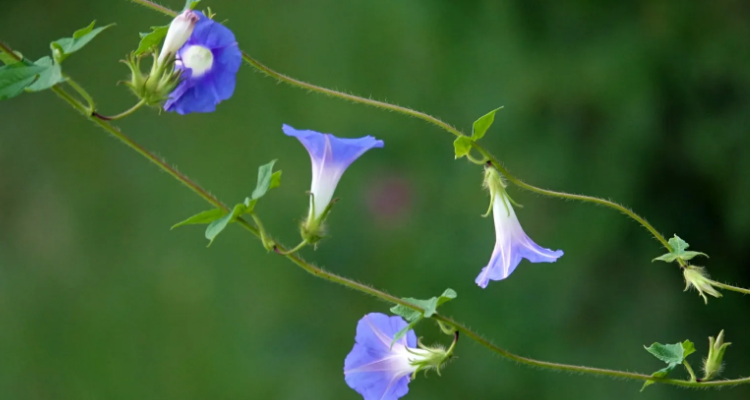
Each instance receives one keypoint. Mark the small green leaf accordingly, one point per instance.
(7, 59)
(672, 354)
(275, 180)
(688, 348)
(679, 251)
(150, 40)
(429, 306)
(405, 330)
(265, 180)
(191, 4)
(205, 217)
(482, 124)
(669, 353)
(462, 145)
(659, 374)
(14, 78)
(217, 226)
(51, 76)
(62, 48)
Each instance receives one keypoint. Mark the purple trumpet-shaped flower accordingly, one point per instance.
(209, 62)
(379, 371)
(512, 244)
(330, 157)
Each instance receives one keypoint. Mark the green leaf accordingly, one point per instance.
(672, 354)
(688, 348)
(150, 40)
(266, 180)
(429, 306)
(405, 330)
(205, 217)
(14, 78)
(462, 145)
(413, 316)
(679, 251)
(62, 48)
(217, 226)
(275, 180)
(51, 76)
(659, 374)
(669, 353)
(191, 4)
(7, 59)
(482, 124)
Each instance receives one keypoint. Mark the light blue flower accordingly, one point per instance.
(512, 244)
(373, 368)
(330, 156)
(209, 62)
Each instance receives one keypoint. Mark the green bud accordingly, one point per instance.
(712, 365)
(697, 278)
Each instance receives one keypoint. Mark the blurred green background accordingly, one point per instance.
(644, 102)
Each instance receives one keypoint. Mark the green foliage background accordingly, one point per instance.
(643, 102)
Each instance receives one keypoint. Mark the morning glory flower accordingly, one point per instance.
(209, 62)
(330, 157)
(379, 371)
(512, 244)
(179, 32)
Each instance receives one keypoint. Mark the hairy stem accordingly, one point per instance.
(729, 287)
(123, 114)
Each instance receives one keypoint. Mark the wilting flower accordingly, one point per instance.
(178, 34)
(330, 157)
(697, 277)
(379, 371)
(512, 244)
(209, 62)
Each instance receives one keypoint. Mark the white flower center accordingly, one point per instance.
(199, 59)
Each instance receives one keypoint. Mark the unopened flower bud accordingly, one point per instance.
(178, 34)
(712, 365)
(698, 278)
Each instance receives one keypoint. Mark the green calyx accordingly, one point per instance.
(713, 364)
(313, 229)
(431, 358)
(495, 184)
(155, 87)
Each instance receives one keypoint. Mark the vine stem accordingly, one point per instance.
(321, 273)
(123, 114)
(729, 287)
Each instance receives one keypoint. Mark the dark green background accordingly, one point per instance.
(644, 102)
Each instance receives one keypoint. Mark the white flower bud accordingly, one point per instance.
(179, 32)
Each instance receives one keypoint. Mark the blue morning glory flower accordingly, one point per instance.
(209, 62)
(512, 244)
(330, 157)
(376, 370)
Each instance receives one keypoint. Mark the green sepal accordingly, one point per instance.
(217, 226)
(191, 4)
(672, 354)
(14, 78)
(51, 76)
(462, 146)
(413, 316)
(62, 48)
(484, 123)
(205, 217)
(151, 40)
(679, 251)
